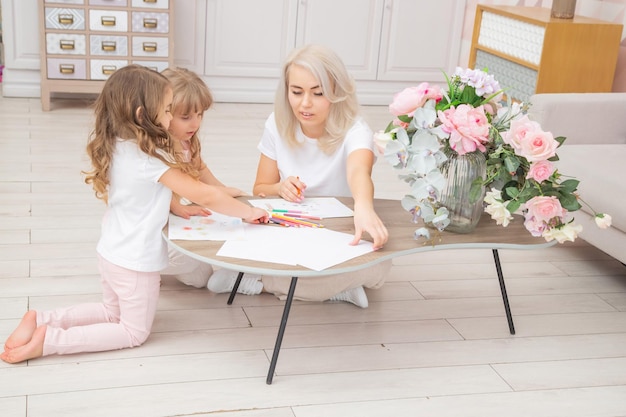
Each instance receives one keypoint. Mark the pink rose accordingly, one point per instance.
(603, 221)
(468, 128)
(538, 146)
(520, 128)
(529, 141)
(544, 208)
(534, 226)
(540, 170)
(411, 98)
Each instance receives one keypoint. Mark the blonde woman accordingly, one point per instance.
(316, 144)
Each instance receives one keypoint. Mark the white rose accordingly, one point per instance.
(381, 139)
(567, 231)
(603, 220)
(499, 212)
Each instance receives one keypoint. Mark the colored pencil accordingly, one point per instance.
(296, 221)
(301, 216)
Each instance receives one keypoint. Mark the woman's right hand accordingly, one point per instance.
(292, 189)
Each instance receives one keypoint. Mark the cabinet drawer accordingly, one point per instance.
(153, 4)
(66, 19)
(150, 46)
(101, 69)
(67, 69)
(65, 44)
(65, 1)
(150, 22)
(512, 37)
(108, 45)
(157, 66)
(108, 20)
(520, 81)
(110, 3)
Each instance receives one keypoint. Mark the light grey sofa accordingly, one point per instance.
(594, 153)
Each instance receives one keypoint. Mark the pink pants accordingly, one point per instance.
(123, 319)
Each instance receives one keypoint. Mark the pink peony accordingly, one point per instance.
(544, 208)
(411, 98)
(540, 170)
(468, 128)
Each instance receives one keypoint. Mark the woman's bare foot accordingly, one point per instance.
(24, 331)
(31, 350)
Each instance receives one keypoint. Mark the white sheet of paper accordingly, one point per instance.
(313, 248)
(216, 226)
(324, 207)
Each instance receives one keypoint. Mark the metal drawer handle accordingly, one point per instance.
(66, 19)
(149, 47)
(108, 69)
(109, 46)
(66, 44)
(107, 20)
(150, 23)
(149, 1)
(66, 68)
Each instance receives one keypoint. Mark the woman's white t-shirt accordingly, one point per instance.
(137, 211)
(324, 175)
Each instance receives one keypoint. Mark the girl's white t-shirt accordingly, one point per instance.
(137, 211)
(324, 175)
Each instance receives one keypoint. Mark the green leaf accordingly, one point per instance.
(513, 206)
(569, 186)
(511, 163)
(405, 118)
(512, 192)
(476, 190)
(569, 202)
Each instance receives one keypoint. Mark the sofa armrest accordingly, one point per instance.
(583, 118)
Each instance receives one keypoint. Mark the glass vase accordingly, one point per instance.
(460, 171)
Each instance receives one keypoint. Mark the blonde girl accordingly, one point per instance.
(134, 171)
(192, 98)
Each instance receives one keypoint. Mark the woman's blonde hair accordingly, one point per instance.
(128, 108)
(337, 86)
(191, 95)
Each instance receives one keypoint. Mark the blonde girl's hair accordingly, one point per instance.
(191, 95)
(127, 108)
(337, 86)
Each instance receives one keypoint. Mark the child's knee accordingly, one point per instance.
(137, 338)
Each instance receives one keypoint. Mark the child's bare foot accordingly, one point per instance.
(24, 331)
(32, 349)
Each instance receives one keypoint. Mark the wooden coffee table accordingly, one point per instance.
(487, 235)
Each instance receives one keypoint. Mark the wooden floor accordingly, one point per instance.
(433, 342)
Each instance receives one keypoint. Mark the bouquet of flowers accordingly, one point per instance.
(470, 116)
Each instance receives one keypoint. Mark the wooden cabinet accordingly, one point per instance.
(386, 44)
(82, 42)
(529, 52)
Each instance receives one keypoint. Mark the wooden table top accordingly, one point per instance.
(487, 235)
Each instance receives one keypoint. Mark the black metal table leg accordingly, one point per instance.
(505, 298)
(234, 290)
(281, 329)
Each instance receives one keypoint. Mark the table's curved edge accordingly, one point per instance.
(302, 272)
